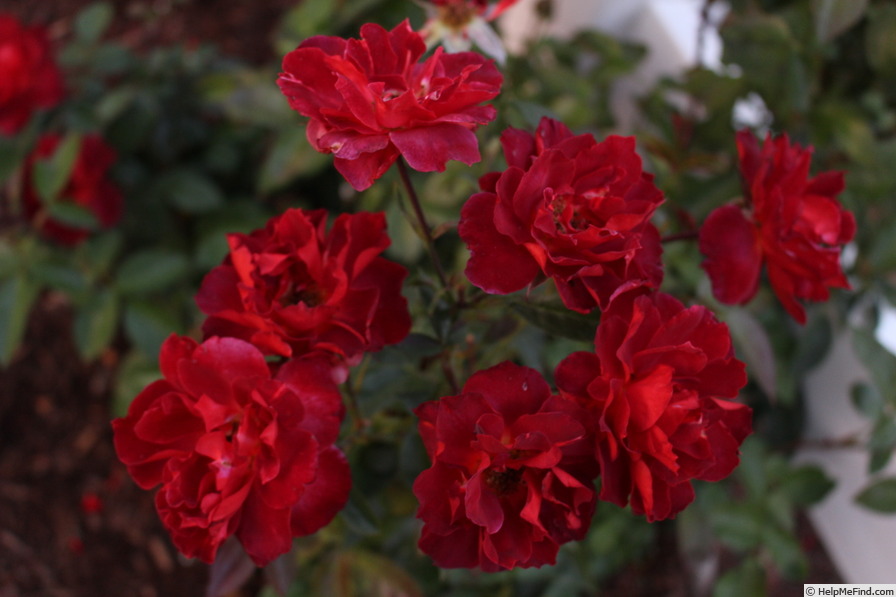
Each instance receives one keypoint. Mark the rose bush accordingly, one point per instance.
(789, 222)
(236, 451)
(89, 187)
(293, 287)
(658, 389)
(511, 475)
(30, 77)
(568, 207)
(371, 100)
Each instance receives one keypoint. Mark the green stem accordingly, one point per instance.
(424, 226)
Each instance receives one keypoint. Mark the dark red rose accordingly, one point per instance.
(511, 476)
(790, 222)
(237, 452)
(292, 287)
(29, 76)
(371, 100)
(658, 389)
(88, 186)
(567, 207)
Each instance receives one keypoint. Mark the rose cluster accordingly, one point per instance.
(85, 198)
(241, 432)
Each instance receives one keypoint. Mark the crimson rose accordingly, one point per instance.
(29, 76)
(236, 451)
(293, 287)
(88, 186)
(789, 221)
(370, 100)
(567, 207)
(511, 476)
(657, 388)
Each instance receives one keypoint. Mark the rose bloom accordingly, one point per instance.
(29, 76)
(236, 451)
(658, 389)
(567, 207)
(511, 476)
(88, 186)
(292, 287)
(370, 101)
(457, 24)
(791, 223)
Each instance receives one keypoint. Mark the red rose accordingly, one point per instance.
(511, 476)
(292, 287)
(29, 76)
(236, 451)
(88, 186)
(370, 100)
(658, 389)
(567, 207)
(790, 222)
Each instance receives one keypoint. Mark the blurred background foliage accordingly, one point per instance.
(207, 145)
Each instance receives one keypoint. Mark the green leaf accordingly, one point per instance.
(881, 362)
(60, 275)
(556, 319)
(755, 348)
(151, 271)
(358, 515)
(806, 485)
(101, 250)
(833, 17)
(747, 580)
(879, 496)
(51, 174)
(739, 525)
(308, 18)
(190, 191)
(17, 294)
(867, 400)
(136, 372)
(92, 21)
(289, 157)
(149, 324)
(72, 214)
(95, 324)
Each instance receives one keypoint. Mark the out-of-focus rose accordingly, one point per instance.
(29, 76)
(236, 451)
(658, 389)
(511, 475)
(370, 101)
(567, 207)
(458, 24)
(88, 187)
(292, 287)
(791, 223)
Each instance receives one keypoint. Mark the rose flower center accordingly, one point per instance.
(504, 482)
(457, 15)
(573, 212)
